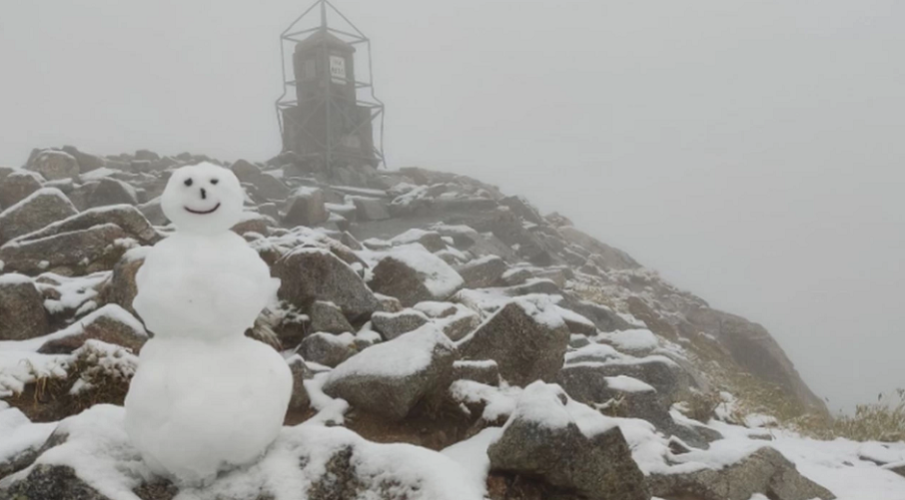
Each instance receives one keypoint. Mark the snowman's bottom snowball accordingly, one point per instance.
(195, 407)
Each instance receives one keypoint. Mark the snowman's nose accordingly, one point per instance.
(203, 194)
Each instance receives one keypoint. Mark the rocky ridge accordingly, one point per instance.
(448, 341)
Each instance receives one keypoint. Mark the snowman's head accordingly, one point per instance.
(203, 199)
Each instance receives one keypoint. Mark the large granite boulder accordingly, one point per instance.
(526, 338)
(110, 191)
(766, 472)
(54, 165)
(391, 378)
(79, 252)
(128, 218)
(22, 313)
(41, 208)
(543, 438)
(412, 274)
(16, 186)
(310, 274)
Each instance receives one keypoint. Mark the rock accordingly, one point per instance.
(609, 257)
(121, 288)
(306, 208)
(54, 165)
(462, 322)
(270, 187)
(550, 444)
(51, 482)
(604, 318)
(87, 162)
(300, 373)
(146, 155)
(245, 171)
(110, 191)
(16, 186)
(526, 339)
(22, 313)
(756, 351)
(328, 349)
(327, 317)
(412, 274)
(897, 468)
(665, 375)
(111, 324)
(392, 325)
(766, 472)
(388, 304)
(368, 209)
(483, 272)
(523, 209)
(486, 371)
(41, 208)
(128, 218)
(310, 274)
(153, 212)
(80, 251)
(254, 223)
(391, 378)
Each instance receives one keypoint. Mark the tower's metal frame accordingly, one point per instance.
(287, 100)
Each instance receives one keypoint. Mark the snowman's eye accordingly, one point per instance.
(188, 182)
(214, 181)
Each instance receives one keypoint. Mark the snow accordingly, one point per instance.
(18, 434)
(74, 291)
(498, 401)
(97, 174)
(625, 383)
(403, 356)
(631, 340)
(471, 454)
(14, 279)
(549, 406)
(439, 278)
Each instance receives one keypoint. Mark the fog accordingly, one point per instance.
(752, 152)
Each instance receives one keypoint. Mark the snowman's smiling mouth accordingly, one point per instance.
(203, 212)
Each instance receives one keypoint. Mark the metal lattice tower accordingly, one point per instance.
(328, 114)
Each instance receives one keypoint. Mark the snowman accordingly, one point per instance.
(205, 397)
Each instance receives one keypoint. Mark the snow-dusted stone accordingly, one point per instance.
(300, 399)
(270, 187)
(328, 349)
(80, 251)
(431, 240)
(388, 304)
(555, 438)
(306, 208)
(328, 317)
(664, 374)
(22, 313)
(16, 186)
(253, 222)
(412, 274)
(310, 274)
(604, 318)
(484, 371)
(766, 472)
(392, 377)
(110, 191)
(369, 209)
(153, 212)
(898, 468)
(462, 322)
(516, 276)
(392, 325)
(121, 288)
(245, 171)
(39, 209)
(483, 272)
(526, 338)
(127, 217)
(110, 324)
(54, 165)
(523, 209)
(52, 481)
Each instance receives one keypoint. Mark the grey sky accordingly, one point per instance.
(751, 151)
